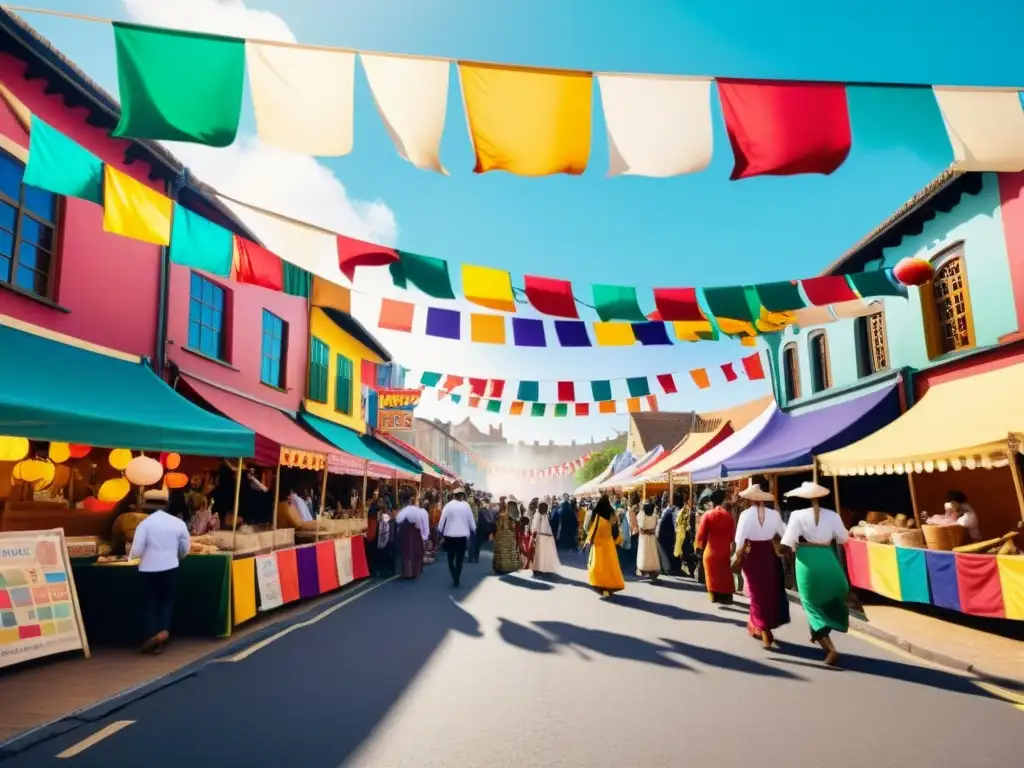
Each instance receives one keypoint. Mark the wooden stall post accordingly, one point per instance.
(238, 493)
(366, 472)
(671, 495)
(323, 500)
(913, 500)
(815, 471)
(835, 489)
(277, 492)
(773, 489)
(1012, 446)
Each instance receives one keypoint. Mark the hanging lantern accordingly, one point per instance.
(92, 504)
(79, 451)
(143, 471)
(59, 452)
(913, 272)
(119, 458)
(113, 491)
(174, 480)
(35, 472)
(173, 461)
(13, 448)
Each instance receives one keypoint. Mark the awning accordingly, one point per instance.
(591, 485)
(792, 441)
(383, 461)
(617, 481)
(50, 390)
(277, 433)
(411, 453)
(964, 423)
(709, 463)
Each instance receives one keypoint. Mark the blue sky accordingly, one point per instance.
(693, 230)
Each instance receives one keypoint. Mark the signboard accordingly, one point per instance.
(268, 579)
(293, 457)
(39, 614)
(395, 407)
(392, 421)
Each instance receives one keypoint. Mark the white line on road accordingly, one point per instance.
(95, 739)
(243, 655)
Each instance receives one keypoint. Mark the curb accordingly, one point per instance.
(105, 707)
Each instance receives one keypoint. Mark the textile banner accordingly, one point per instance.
(343, 559)
(243, 590)
(327, 566)
(39, 613)
(268, 580)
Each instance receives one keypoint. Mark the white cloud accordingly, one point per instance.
(293, 185)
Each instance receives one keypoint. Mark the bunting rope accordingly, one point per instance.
(180, 85)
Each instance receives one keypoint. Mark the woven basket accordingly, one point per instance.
(909, 539)
(944, 537)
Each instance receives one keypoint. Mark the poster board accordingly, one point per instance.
(39, 611)
(268, 579)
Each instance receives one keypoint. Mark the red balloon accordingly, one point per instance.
(79, 451)
(913, 272)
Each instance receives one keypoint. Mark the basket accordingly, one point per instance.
(878, 534)
(909, 539)
(944, 537)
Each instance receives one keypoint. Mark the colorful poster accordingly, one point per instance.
(269, 582)
(392, 421)
(343, 555)
(398, 399)
(39, 613)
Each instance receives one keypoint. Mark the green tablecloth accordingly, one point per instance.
(111, 599)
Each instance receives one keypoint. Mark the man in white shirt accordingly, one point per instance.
(161, 542)
(456, 525)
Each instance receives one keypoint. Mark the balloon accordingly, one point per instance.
(175, 480)
(92, 504)
(119, 458)
(114, 490)
(13, 448)
(60, 452)
(39, 474)
(173, 461)
(79, 451)
(143, 470)
(913, 272)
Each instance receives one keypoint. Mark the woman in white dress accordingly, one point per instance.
(545, 554)
(650, 560)
(759, 529)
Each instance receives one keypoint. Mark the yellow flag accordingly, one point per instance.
(132, 209)
(488, 287)
(530, 122)
(486, 329)
(614, 334)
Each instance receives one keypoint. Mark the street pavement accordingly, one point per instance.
(515, 671)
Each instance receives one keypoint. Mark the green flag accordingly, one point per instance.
(537, 409)
(296, 281)
(617, 302)
(61, 165)
(427, 273)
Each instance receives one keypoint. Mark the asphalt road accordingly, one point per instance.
(512, 671)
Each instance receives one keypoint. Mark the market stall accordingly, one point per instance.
(965, 435)
(593, 484)
(624, 476)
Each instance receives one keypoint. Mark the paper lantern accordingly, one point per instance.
(143, 470)
(119, 458)
(92, 504)
(113, 491)
(175, 480)
(170, 460)
(60, 452)
(79, 451)
(913, 272)
(13, 448)
(37, 473)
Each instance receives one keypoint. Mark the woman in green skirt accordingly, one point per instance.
(824, 590)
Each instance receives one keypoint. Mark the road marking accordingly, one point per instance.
(1003, 693)
(95, 739)
(243, 655)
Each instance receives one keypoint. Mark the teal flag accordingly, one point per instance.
(876, 282)
(295, 280)
(639, 386)
(494, 406)
(430, 379)
(199, 243)
(617, 302)
(428, 273)
(61, 165)
(601, 390)
(529, 391)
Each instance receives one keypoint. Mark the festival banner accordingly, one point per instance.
(395, 407)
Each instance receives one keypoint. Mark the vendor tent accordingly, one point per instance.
(731, 445)
(54, 388)
(591, 485)
(383, 460)
(619, 479)
(965, 423)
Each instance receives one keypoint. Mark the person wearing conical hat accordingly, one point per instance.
(823, 587)
(760, 527)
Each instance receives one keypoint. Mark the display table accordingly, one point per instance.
(111, 598)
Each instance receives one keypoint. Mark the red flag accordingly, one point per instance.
(368, 374)
(753, 367)
(354, 253)
(255, 265)
(668, 383)
(478, 387)
(677, 304)
(566, 392)
(730, 374)
(550, 296)
(781, 128)
(828, 289)
(582, 409)
(497, 386)
(396, 315)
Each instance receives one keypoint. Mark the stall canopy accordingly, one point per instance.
(620, 479)
(71, 394)
(730, 446)
(274, 429)
(384, 462)
(413, 455)
(710, 430)
(956, 424)
(788, 442)
(591, 485)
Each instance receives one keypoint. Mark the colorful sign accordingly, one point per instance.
(398, 399)
(39, 614)
(392, 421)
(293, 457)
(268, 579)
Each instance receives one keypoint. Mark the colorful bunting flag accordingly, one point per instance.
(255, 265)
(651, 334)
(488, 287)
(572, 333)
(516, 409)
(617, 302)
(178, 86)
(729, 372)
(700, 378)
(530, 122)
(892, 117)
(779, 128)
(199, 243)
(474, 402)
(561, 410)
(354, 253)
(296, 281)
(633, 405)
(638, 386)
(678, 304)
(566, 392)
(132, 209)
(478, 387)
(753, 367)
(444, 323)
(537, 410)
(528, 391)
(396, 315)
(730, 303)
(427, 273)
(451, 382)
(601, 390)
(828, 289)
(614, 334)
(876, 282)
(430, 379)
(486, 329)
(61, 165)
(667, 383)
(550, 296)
(652, 403)
(606, 406)
(528, 332)
(582, 409)
(782, 296)
(494, 406)
(985, 127)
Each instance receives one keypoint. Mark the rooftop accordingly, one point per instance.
(664, 428)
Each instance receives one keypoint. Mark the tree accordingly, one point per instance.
(598, 462)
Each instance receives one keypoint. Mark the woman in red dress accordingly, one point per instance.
(714, 536)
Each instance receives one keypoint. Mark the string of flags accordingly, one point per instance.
(188, 86)
(558, 470)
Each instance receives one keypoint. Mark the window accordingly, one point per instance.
(872, 347)
(319, 366)
(343, 385)
(951, 305)
(28, 232)
(274, 350)
(821, 370)
(791, 372)
(206, 317)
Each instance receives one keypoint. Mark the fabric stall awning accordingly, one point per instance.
(592, 484)
(277, 433)
(383, 462)
(428, 466)
(708, 465)
(620, 479)
(791, 441)
(961, 424)
(53, 387)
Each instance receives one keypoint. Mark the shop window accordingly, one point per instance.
(273, 355)
(791, 372)
(319, 367)
(949, 324)
(872, 344)
(28, 232)
(343, 385)
(821, 370)
(206, 317)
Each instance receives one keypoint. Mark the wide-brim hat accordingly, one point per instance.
(459, 490)
(809, 490)
(754, 492)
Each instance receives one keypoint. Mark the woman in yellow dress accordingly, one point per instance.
(603, 569)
